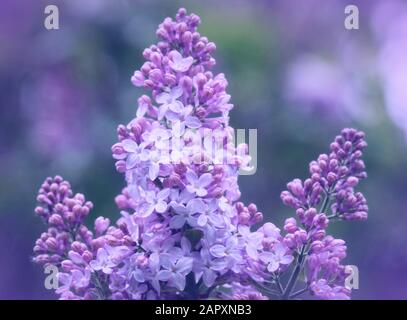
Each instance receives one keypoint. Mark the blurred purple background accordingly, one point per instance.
(295, 73)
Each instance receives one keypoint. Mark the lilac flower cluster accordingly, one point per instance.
(182, 233)
(329, 189)
(68, 243)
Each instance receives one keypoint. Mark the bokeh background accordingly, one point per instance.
(296, 74)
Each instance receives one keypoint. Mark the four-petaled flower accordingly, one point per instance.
(229, 249)
(136, 153)
(203, 268)
(179, 63)
(168, 101)
(159, 137)
(210, 214)
(175, 271)
(198, 185)
(102, 262)
(80, 279)
(155, 202)
(274, 259)
(185, 213)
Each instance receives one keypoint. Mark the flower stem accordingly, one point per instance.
(299, 292)
(294, 276)
(326, 202)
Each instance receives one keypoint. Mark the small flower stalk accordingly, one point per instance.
(182, 231)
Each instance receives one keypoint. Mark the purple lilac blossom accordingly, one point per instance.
(182, 233)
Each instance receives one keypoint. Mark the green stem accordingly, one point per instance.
(279, 286)
(299, 292)
(301, 258)
(332, 216)
(294, 275)
(326, 202)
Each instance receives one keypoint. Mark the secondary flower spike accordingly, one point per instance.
(182, 231)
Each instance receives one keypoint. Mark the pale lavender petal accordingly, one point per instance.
(144, 155)
(205, 180)
(209, 277)
(180, 209)
(279, 249)
(184, 265)
(176, 106)
(141, 110)
(191, 176)
(95, 265)
(107, 270)
(156, 285)
(179, 63)
(202, 220)
(76, 257)
(161, 207)
(129, 145)
(185, 245)
(286, 259)
(193, 122)
(231, 242)
(163, 98)
(252, 252)
(273, 266)
(162, 111)
(163, 275)
(163, 194)
(196, 206)
(267, 257)
(219, 264)
(201, 192)
(176, 56)
(178, 281)
(131, 161)
(176, 92)
(153, 170)
(190, 189)
(64, 278)
(177, 222)
(218, 251)
(147, 211)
